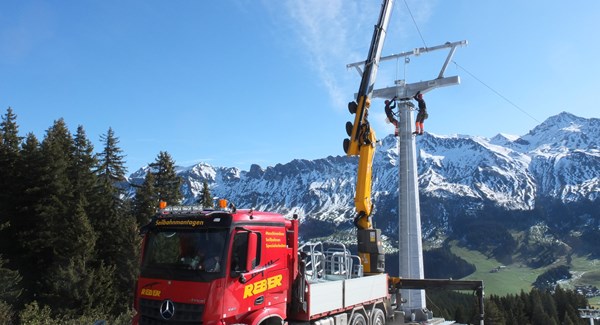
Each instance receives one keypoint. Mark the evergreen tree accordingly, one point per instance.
(76, 238)
(538, 317)
(166, 181)
(30, 190)
(493, 314)
(81, 170)
(9, 159)
(525, 300)
(7, 313)
(46, 211)
(118, 244)
(33, 314)
(574, 301)
(70, 286)
(568, 320)
(549, 305)
(107, 206)
(106, 215)
(10, 285)
(54, 230)
(88, 289)
(11, 141)
(538, 314)
(111, 160)
(65, 238)
(145, 202)
(125, 259)
(560, 302)
(517, 309)
(206, 198)
(110, 171)
(118, 240)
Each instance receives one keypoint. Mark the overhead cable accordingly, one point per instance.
(415, 22)
(496, 92)
(465, 70)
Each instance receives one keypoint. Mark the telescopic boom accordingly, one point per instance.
(362, 144)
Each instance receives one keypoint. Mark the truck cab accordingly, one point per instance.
(216, 267)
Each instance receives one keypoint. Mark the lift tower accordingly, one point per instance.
(409, 225)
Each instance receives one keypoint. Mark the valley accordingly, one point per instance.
(501, 279)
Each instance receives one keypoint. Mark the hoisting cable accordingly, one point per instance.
(397, 67)
(415, 22)
(406, 62)
(496, 92)
(407, 59)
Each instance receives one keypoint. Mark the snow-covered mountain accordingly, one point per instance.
(565, 152)
(558, 159)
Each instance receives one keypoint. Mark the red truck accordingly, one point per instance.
(233, 266)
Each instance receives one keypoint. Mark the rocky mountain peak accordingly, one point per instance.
(558, 159)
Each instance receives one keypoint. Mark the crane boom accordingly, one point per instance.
(362, 143)
(363, 138)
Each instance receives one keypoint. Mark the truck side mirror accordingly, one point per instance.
(252, 250)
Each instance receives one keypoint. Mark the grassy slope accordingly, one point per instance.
(511, 279)
(516, 277)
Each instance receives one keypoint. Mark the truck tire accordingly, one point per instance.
(377, 317)
(358, 319)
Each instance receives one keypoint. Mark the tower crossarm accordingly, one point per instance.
(405, 91)
(416, 52)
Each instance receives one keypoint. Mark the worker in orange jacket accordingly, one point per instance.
(422, 115)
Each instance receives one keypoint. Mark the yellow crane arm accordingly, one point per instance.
(362, 198)
(362, 137)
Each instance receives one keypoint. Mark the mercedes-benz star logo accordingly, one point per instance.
(167, 309)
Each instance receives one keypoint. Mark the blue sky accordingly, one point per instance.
(236, 82)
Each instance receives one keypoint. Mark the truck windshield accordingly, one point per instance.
(184, 254)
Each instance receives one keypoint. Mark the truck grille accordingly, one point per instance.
(184, 313)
